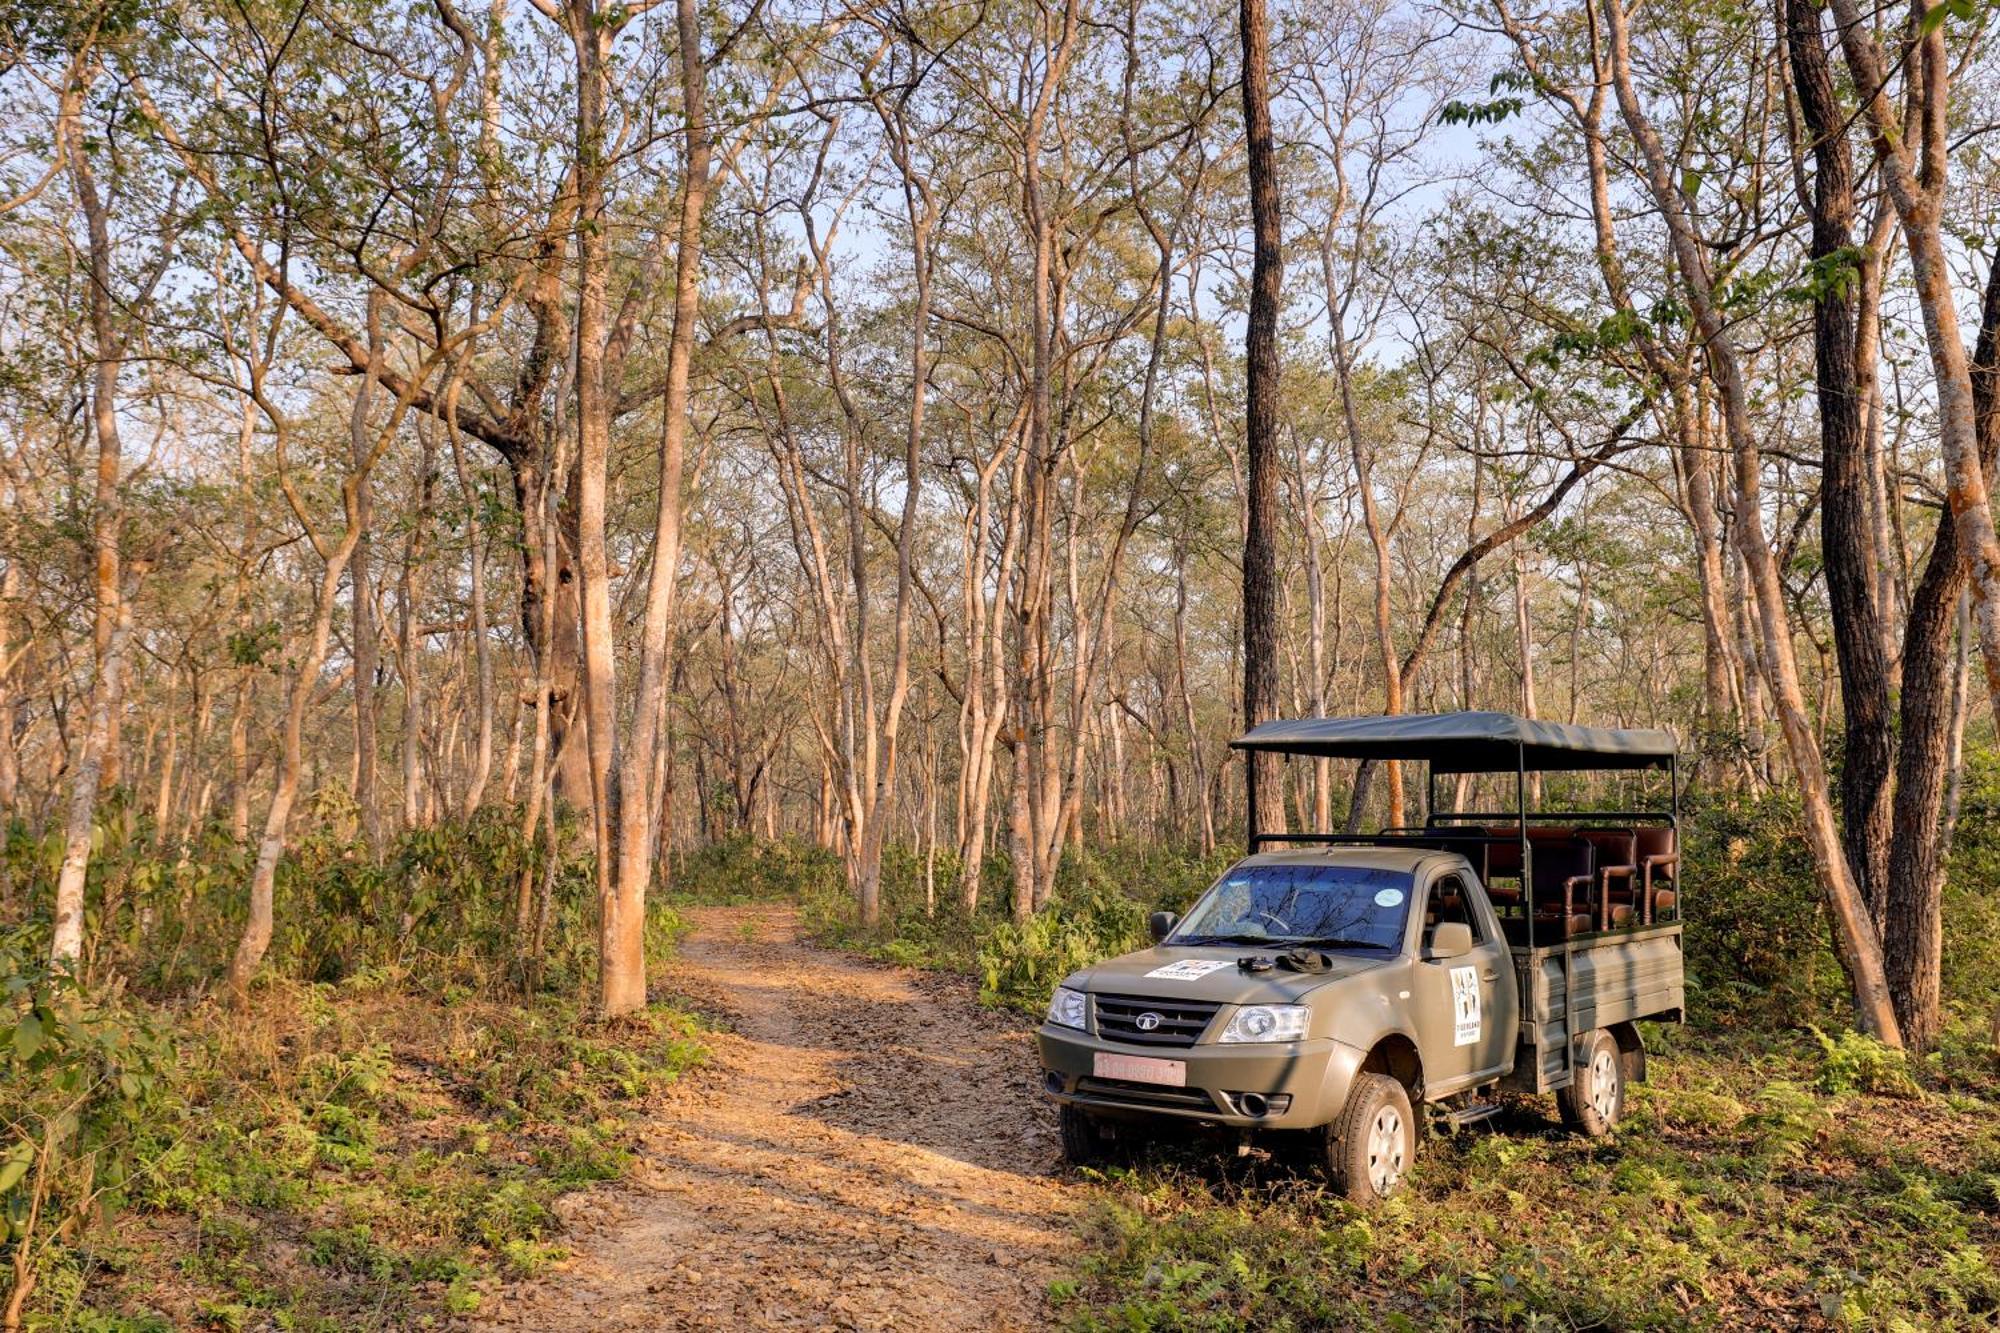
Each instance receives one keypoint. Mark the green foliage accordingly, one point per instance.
(1737, 1199)
(402, 1148)
(1971, 964)
(1019, 965)
(1758, 950)
(1498, 109)
(742, 869)
(83, 1082)
(439, 909)
(1856, 1062)
(1099, 907)
(388, 1108)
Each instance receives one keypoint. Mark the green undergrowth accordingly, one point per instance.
(1738, 1194)
(374, 1138)
(1098, 909)
(361, 1156)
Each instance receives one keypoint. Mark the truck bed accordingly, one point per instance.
(1601, 980)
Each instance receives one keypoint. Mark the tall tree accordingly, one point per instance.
(1262, 773)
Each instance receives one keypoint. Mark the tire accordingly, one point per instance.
(1594, 1102)
(1084, 1140)
(1369, 1149)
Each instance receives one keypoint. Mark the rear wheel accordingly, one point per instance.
(1595, 1101)
(1085, 1141)
(1370, 1148)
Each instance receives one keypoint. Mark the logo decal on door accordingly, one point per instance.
(1465, 1005)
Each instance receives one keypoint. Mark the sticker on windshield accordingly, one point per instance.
(1464, 1006)
(1389, 898)
(1187, 969)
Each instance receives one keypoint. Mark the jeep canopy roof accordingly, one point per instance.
(1465, 742)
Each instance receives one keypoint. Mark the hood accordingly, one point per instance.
(1226, 984)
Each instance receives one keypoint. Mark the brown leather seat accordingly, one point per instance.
(1658, 857)
(1503, 854)
(1562, 873)
(1550, 927)
(1617, 873)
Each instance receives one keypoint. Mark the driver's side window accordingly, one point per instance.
(1448, 901)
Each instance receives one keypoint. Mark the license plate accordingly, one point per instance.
(1140, 1069)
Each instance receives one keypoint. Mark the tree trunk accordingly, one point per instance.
(1847, 533)
(1912, 916)
(482, 645)
(113, 622)
(1263, 787)
(367, 638)
(1855, 936)
(408, 640)
(1913, 155)
(621, 954)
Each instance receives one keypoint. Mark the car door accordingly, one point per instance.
(1471, 1006)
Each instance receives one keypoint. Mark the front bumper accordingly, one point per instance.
(1314, 1074)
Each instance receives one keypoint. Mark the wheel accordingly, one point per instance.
(1595, 1101)
(1084, 1141)
(1368, 1150)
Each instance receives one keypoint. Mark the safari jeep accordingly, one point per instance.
(1322, 993)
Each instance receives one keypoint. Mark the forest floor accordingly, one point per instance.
(865, 1149)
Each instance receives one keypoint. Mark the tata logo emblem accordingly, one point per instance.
(1147, 1021)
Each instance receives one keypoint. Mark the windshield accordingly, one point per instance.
(1334, 907)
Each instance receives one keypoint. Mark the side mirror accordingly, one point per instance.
(1161, 924)
(1449, 939)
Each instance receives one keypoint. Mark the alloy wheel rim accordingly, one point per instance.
(1385, 1150)
(1604, 1085)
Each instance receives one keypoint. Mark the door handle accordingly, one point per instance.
(1489, 975)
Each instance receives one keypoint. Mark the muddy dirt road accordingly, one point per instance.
(866, 1151)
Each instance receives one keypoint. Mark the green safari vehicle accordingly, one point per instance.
(1330, 984)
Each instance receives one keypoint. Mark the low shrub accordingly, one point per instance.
(1020, 964)
(84, 1085)
(1856, 1062)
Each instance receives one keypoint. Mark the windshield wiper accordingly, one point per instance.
(1336, 942)
(1203, 941)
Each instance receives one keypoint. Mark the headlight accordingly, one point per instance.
(1267, 1022)
(1066, 1007)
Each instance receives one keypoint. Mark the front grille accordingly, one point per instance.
(1144, 1094)
(1181, 1022)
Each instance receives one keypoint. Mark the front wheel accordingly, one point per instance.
(1594, 1101)
(1085, 1142)
(1368, 1150)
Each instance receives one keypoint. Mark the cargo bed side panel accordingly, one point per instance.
(1616, 979)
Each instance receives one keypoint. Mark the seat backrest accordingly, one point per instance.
(1555, 863)
(1656, 840)
(1614, 847)
(1503, 853)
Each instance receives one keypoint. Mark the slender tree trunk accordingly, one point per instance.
(1931, 717)
(1859, 945)
(10, 657)
(621, 955)
(1847, 529)
(1033, 748)
(623, 967)
(408, 641)
(1914, 157)
(482, 645)
(1263, 774)
(113, 625)
(367, 637)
